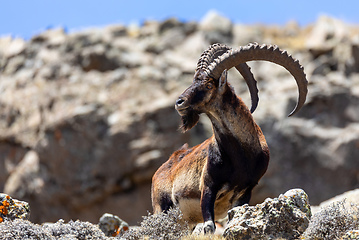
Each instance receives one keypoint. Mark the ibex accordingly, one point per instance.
(207, 180)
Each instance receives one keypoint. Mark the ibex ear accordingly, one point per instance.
(222, 81)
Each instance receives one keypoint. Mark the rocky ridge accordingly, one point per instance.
(287, 217)
(87, 117)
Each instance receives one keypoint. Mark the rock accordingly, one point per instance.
(53, 37)
(26, 178)
(74, 175)
(150, 28)
(11, 209)
(216, 28)
(171, 33)
(309, 161)
(168, 225)
(326, 34)
(14, 64)
(74, 230)
(11, 153)
(23, 229)
(285, 217)
(96, 58)
(169, 24)
(117, 30)
(334, 109)
(133, 30)
(352, 234)
(350, 197)
(355, 52)
(333, 221)
(243, 34)
(112, 225)
(14, 47)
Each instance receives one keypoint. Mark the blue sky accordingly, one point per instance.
(24, 18)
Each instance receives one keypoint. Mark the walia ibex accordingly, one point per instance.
(207, 180)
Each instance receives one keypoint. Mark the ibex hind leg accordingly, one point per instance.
(166, 203)
(246, 197)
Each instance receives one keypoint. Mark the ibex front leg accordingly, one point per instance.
(207, 205)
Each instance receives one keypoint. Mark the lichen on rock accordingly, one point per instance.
(11, 209)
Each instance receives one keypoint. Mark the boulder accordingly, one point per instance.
(285, 217)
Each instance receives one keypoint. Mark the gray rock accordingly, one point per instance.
(23, 229)
(53, 37)
(73, 230)
(168, 225)
(323, 156)
(26, 178)
(334, 221)
(243, 34)
(14, 64)
(326, 34)
(285, 217)
(216, 28)
(10, 153)
(352, 234)
(355, 51)
(13, 47)
(349, 198)
(11, 209)
(112, 225)
(97, 58)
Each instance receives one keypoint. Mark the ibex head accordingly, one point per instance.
(199, 97)
(210, 79)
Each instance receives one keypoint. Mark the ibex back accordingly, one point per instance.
(207, 180)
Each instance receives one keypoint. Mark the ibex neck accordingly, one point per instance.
(232, 121)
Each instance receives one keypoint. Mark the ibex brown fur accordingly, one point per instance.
(207, 180)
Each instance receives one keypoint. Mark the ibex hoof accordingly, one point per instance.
(209, 227)
(204, 228)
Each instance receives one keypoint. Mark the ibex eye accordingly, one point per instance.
(209, 86)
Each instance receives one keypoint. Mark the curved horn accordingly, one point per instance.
(215, 51)
(271, 53)
(245, 71)
(207, 57)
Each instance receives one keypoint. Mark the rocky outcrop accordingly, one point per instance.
(286, 217)
(87, 117)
